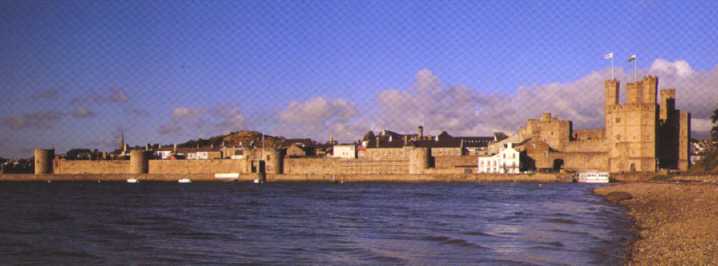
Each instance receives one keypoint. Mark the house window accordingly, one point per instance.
(618, 120)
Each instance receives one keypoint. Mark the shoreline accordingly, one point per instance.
(397, 178)
(673, 222)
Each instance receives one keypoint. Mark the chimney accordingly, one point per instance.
(421, 132)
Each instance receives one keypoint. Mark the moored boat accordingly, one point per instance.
(594, 177)
(184, 181)
(132, 180)
(226, 177)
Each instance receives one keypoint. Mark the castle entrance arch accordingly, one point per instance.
(557, 165)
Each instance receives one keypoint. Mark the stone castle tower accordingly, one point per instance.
(641, 134)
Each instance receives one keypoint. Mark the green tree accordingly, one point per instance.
(714, 130)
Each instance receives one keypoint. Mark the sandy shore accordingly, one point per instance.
(677, 223)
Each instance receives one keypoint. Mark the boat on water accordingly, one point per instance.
(258, 181)
(184, 181)
(594, 177)
(132, 180)
(226, 177)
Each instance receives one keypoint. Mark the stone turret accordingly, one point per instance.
(419, 160)
(43, 161)
(668, 103)
(611, 92)
(274, 159)
(138, 162)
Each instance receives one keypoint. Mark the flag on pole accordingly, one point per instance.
(632, 58)
(608, 56)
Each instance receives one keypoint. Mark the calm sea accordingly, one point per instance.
(336, 224)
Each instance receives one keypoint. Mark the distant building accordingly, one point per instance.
(507, 161)
(204, 154)
(297, 150)
(345, 151)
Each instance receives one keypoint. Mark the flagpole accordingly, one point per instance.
(613, 74)
(635, 71)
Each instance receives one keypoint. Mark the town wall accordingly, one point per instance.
(64, 167)
(453, 151)
(450, 162)
(197, 166)
(333, 166)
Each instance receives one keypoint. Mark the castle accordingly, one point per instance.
(640, 135)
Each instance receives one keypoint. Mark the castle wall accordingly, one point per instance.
(446, 151)
(92, 167)
(584, 161)
(594, 134)
(450, 162)
(198, 166)
(333, 166)
(587, 146)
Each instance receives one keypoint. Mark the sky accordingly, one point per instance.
(74, 74)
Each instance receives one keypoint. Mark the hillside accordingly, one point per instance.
(238, 138)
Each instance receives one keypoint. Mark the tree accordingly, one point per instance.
(714, 130)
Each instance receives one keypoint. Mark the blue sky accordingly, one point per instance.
(105, 65)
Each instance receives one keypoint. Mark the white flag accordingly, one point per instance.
(608, 56)
(632, 58)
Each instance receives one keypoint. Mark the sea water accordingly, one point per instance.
(309, 223)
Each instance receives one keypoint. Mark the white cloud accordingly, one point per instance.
(680, 68)
(319, 118)
(82, 112)
(36, 120)
(204, 122)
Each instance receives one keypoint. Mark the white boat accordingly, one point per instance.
(227, 177)
(594, 177)
(132, 180)
(184, 181)
(258, 181)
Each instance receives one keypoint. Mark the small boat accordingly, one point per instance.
(594, 177)
(226, 177)
(184, 181)
(258, 181)
(132, 180)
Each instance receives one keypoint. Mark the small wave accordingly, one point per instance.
(452, 241)
(561, 221)
(477, 233)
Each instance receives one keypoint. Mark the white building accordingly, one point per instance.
(164, 154)
(345, 151)
(507, 161)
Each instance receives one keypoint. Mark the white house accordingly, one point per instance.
(507, 161)
(345, 151)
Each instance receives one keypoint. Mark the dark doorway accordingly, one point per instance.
(557, 165)
(262, 167)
